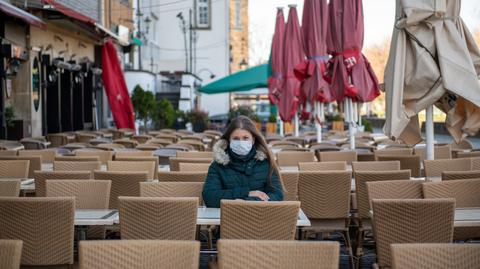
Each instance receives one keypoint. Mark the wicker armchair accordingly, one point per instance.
(194, 167)
(258, 220)
(10, 187)
(103, 156)
(48, 155)
(325, 199)
(178, 176)
(35, 163)
(292, 158)
(338, 156)
(132, 153)
(141, 159)
(174, 161)
(465, 192)
(322, 166)
(135, 166)
(76, 166)
(394, 189)
(290, 184)
(172, 189)
(411, 221)
(158, 218)
(77, 158)
(194, 154)
(14, 168)
(277, 254)
(453, 175)
(376, 166)
(127, 254)
(123, 184)
(434, 168)
(42, 176)
(10, 254)
(45, 225)
(411, 163)
(435, 256)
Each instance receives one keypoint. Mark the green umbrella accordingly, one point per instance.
(251, 78)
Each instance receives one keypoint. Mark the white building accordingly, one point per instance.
(169, 46)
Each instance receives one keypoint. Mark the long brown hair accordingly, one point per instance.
(245, 123)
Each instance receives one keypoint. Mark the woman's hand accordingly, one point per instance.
(260, 194)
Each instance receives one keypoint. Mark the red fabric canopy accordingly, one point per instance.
(116, 88)
(310, 71)
(349, 71)
(276, 79)
(18, 13)
(293, 55)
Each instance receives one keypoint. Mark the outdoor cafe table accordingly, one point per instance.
(464, 217)
(205, 216)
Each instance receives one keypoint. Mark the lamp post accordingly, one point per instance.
(183, 28)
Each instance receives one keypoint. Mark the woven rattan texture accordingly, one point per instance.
(123, 184)
(89, 194)
(322, 166)
(376, 166)
(10, 254)
(174, 161)
(172, 189)
(292, 158)
(176, 176)
(9, 187)
(42, 176)
(290, 183)
(434, 168)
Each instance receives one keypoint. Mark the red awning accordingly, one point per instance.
(21, 14)
(70, 12)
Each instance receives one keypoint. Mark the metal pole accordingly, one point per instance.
(318, 108)
(429, 133)
(190, 40)
(139, 34)
(359, 111)
(296, 125)
(351, 123)
(281, 130)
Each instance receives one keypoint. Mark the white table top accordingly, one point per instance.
(295, 168)
(88, 217)
(205, 216)
(467, 217)
(464, 217)
(49, 167)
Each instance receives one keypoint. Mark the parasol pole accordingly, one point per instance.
(359, 111)
(296, 124)
(351, 123)
(429, 132)
(281, 130)
(318, 120)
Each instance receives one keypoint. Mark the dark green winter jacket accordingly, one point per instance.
(231, 176)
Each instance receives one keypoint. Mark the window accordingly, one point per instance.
(238, 14)
(203, 15)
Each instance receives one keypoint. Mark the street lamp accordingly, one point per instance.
(212, 75)
(183, 28)
(243, 64)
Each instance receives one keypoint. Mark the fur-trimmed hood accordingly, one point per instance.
(220, 154)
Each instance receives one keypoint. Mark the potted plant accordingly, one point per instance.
(14, 128)
(180, 120)
(272, 124)
(198, 119)
(338, 123)
(256, 119)
(144, 105)
(164, 115)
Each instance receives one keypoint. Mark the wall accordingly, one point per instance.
(238, 35)
(117, 12)
(145, 79)
(167, 45)
(73, 43)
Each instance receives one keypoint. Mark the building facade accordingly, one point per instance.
(57, 86)
(202, 39)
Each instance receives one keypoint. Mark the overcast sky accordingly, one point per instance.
(379, 16)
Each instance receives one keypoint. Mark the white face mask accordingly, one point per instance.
(241, 147)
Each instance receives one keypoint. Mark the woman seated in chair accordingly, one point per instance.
(243, 167)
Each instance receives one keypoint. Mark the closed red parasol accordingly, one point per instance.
(116, 88)
(293, 54)
(275, 80)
